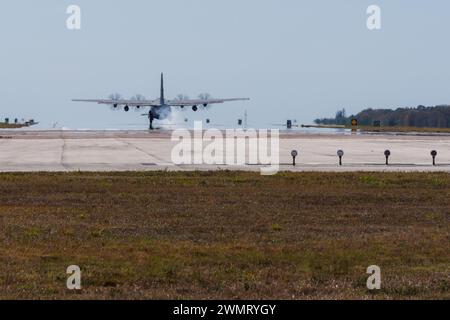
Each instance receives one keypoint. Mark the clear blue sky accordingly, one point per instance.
(297, 59)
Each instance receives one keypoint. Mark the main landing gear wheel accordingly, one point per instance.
(150, 118)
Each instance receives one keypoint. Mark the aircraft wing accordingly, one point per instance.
(199, 102)
(130, 103)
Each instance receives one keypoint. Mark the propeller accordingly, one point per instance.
(138, 97)
(181, 97)
(205, 96)
(115, 97)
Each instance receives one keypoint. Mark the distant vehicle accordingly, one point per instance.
(289, 124)
(160, 108)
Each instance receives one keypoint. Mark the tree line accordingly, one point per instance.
(421, 116)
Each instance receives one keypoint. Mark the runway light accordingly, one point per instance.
(294, 155)
(387, 153)
(340, 154)
(434, 154)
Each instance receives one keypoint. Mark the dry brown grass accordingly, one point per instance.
(225, 235)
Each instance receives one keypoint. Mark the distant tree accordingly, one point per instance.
(341, 117)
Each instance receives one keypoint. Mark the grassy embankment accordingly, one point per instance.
(11, 125)
(382, 129)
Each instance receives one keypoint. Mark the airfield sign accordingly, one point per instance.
(294, 154)
(340, 154)
(434, 154)
(387, 154)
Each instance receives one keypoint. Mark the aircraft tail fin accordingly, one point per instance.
(162, 89)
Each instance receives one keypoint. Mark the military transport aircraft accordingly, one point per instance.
(161, 108)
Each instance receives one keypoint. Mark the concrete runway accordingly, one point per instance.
(27, 151)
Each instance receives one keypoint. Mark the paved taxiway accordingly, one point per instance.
(141, 150)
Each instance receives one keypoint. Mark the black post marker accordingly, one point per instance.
(434, 154)
(294, 155)
(340, 154)
(387, 153)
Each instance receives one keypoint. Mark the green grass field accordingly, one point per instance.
(224, 235)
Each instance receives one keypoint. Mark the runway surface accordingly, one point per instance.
(28, 151)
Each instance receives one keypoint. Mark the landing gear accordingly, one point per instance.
(150, 118)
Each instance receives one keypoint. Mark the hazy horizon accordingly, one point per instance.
(295, 59)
